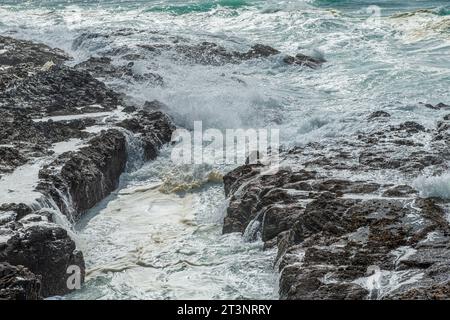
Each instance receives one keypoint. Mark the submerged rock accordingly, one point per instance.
(438, 106)
(379, 114)
(303, 60)
(210, 53)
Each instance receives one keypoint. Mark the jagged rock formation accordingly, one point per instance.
(154, 127)
(18, 283)
(47, 251)
(210, 53)
(344, 232)
(102, 67)
(15, 52)
(179, 49)
(35, 252)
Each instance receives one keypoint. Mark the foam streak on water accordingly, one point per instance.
(141, 243)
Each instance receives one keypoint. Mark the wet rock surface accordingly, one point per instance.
(342, 230)
(58, 91)
(32, 77)
(18, 283)
(103, 67)
(77, 132)
(180, 49)
(210, 53)
(47, 251)
(22, 138)
(77, 181)
(154, 127)
(15, 52)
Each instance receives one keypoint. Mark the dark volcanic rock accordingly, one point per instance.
(210, 53)
(92, 173)
(10, 158)
(24, 138)
(60, 90)
(303, 60)
(155, 129)
(400, 191)
(86, 176)
(102, 67)
(14, 52)
(154, 105)
(47, 251)
(34, 84)
(438, 106)
(18, 283)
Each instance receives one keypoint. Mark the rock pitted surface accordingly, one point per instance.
(16, 52)
(59, 90)
(18, 283)
(342, 230)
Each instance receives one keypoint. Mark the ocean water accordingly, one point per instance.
(146, 241)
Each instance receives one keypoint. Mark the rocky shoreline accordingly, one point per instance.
(64, 143)
(341, 229)
(351, 217)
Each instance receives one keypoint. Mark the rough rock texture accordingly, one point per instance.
(22, 138)
(78, 180)
(179, 49)
(32, 77)
(102, 67)
(18, 283)
(34, 84)
(14, 52)
(29, 238)
(214, 54)
(345, 217)
(155, 130)
(47, 251)
(59, 90)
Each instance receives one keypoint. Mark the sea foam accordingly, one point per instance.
(436, 186)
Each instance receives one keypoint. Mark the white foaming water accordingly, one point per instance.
(19, 186)
(437, 186)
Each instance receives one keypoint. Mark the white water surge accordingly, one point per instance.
(145, 243)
